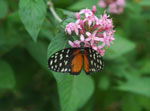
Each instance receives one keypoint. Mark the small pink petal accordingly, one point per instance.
(102, 4)
(94, 8)
(89, 22)
(102, 52)
(81, 37)
(77, 16)
(76, 31)
(88, 39)
(71, 43)
(94, 33)
(88, 33)
(94, 47)
(77, 42)
(99, 39)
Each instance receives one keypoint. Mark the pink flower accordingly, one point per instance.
(76, 27)
(68, 28)
(120, 2)
(93, 9)
(92, 37)
(77, 16)
(114, 6)
(108, 38)
(87, 12)
(94, 32)
(101, 51)
(76, 43)
(90, 20)
(104, 22)
(102, 4)
(73, 27)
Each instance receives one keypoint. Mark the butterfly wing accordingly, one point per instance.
(92, 61)
(76, 62)
(68, 60)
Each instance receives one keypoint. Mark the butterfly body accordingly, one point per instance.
(71, 60)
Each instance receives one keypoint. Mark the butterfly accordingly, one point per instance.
(71, 60)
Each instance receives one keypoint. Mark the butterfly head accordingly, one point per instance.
(82, 44)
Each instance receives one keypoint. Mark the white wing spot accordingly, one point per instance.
(61, 57)
(66, 69)
(60, 64)
(91, 62)
(100, 67)
(52, 67)
(55, 66)
(65, 62)
(62, 51)
(90, 50)
(56, 53)
(100, 62)
(51, 62)
(94, 57)
(94, 64)
(62, 70)
(68, 51)
(55, 60)
(67, 56)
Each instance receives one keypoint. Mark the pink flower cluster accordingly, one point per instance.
(93, 31)
(114, 6)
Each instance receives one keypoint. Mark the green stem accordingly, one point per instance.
(51, 8)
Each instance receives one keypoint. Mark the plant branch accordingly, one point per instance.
(51, 8)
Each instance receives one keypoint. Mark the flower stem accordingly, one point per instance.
(51, 8)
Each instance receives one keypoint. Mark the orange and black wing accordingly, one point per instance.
(76, 62)
(68, 60)
(92, 61)
(60, 61)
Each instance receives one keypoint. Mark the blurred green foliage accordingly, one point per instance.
(29, 34)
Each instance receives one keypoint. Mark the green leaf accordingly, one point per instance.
(130, 103)
(32, 14)
(73, 90)
(144, 102)
(136, 84)
(119, 47)
(104, 83)
(7, 80)
(3, 8)
(82, 4)
(65, 13)
(145, 66)
(38, 51)
(145, 2)
(10, 33)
